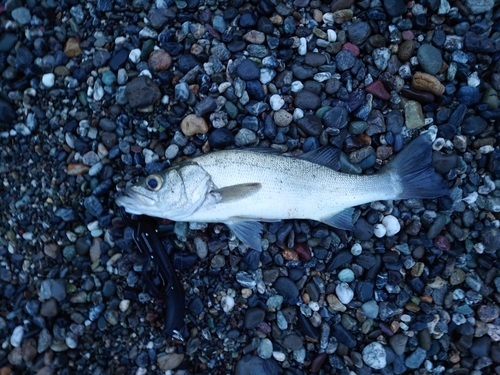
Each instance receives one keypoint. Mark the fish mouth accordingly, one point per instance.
(134, 202)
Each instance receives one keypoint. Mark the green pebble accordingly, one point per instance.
(147, 48)
(108, 78)
(82, 98)
(491, 97)
(346, 275)
(321, 111)
(231, 109)
(357, 127)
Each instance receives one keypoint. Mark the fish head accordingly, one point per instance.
(174, 193)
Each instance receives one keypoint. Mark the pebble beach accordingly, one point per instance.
(96, 95)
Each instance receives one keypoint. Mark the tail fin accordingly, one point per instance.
(412, 169)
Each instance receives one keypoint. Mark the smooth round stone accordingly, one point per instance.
(473, 125)
(220, 138)
(370, 309)
(307, 100)
(344, 293)
(374, 355)
(391, 225)
(253, 317)
(314, 59)
(276, 102)
(416, 358)
(283, 117)
(345, 60)
(359, 32)
(265, 349)
(394, 8)
(310, 124)
(21, 15)
(245, 137)
(48, 80)
(430, 59)
(346, 275)
(468, 95)
(248, 70)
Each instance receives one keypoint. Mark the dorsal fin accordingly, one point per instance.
(326, 155)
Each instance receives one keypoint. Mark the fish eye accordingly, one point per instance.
(153, 182)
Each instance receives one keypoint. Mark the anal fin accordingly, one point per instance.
(249, 232)
(341, 220)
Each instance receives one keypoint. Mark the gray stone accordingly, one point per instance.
(430, 59)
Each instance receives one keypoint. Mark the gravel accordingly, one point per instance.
(94, 96)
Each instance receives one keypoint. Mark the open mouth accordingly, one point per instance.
(132, 200)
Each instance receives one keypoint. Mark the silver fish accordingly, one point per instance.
(241, 188)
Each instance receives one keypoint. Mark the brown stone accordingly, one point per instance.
(341, 4)
(75, 169)
(282, 117)
(290, 254)
(51, 250)
(159, 60)
(192, 124)
(383, 152)
(341, 16)
(72, 48)
(255, 37)
(426, 82)
(61, 70)
(406, 50)
(170, 361)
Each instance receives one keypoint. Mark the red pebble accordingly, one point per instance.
(378, 90)
(351, 47)
(303, 251)
(318, 362)
(442, 243)
(408, 35)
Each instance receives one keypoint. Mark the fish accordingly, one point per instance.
(242, 188)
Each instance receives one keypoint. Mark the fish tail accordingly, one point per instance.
(412, 171)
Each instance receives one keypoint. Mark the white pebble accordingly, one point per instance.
(438, 144)
(328, 18)
(322, 76)
(392, 225)
(135, 55)
(122, 76)
(344, 293)
(98, 91)
(279, 356)
(120, 39)
(124, 305)
(471, 198)
(224, 86)
(165, 99)
(296, 86)
(227, 303)
(17, 336)
(314, 306)
(332, 35)
(379, 230)
(486, 149)
(473, 80)
(276, 102)
(298, 114)
(48, 80)
(146, 72)
(356, 249)
(302, 50)
(374, 355)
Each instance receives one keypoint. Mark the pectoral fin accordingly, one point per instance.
(237, 192)
(341, 220)
(249, 232)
